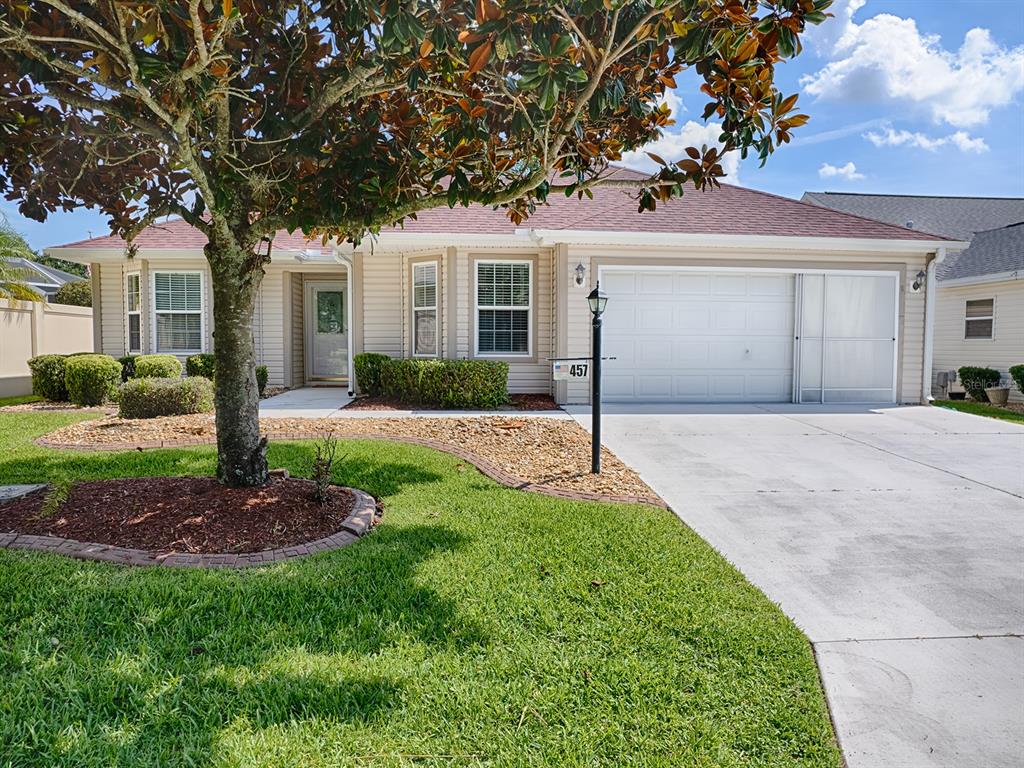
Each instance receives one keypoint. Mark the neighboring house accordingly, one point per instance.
(980, 308)
(46, 281)
(726, 296)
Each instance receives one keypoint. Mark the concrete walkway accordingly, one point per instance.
(330, 402)
(894, 537)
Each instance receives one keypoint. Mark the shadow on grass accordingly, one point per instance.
(150, 667)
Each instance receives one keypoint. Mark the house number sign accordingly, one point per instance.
(567, 370)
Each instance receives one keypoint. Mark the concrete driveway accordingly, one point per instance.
(894, 537)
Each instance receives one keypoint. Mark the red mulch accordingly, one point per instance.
(183, 514)
(517, 402)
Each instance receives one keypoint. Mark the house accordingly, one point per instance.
(980, 307)
(44, 280)
(732, 295)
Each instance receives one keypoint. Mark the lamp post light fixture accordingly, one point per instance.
(597, 300)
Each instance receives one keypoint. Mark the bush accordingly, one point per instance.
(262, 374)
(157, 367)
(48, 377)
(77, 294)
(148, 398)
(91, 379)
(974, 379)
(127, 366)
(447, 383)
(1017, 374)
(204, 365)
(369, 366)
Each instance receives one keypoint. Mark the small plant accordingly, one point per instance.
(48, 377)
(323, 466)
(262, 374)
(157, 367)
(149, 398)
(91, 379)
(1017, 374)
(127, 366)
(975, 378)
(204, 365)
(57, 495)
(76, 294)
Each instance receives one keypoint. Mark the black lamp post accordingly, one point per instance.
(597, 301)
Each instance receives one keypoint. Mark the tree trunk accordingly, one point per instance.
(241, 452)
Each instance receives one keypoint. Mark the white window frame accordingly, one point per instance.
(128, 312)
(992, 318)
(528, 309)
(202, 311)
(434, 308)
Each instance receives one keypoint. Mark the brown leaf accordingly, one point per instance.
(479, 57)
(656, 158)
(425, 48)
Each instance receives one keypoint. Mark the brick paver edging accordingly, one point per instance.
(484, 465)
(359, 521)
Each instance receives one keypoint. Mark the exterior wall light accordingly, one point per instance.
(919, 279)
(581, 272)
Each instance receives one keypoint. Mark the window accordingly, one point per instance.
(978, 319)
(133, 305)
(503, 295)
(424, 309)
(178, 311)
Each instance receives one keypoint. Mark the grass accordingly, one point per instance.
(982, 409)
(477, 626)
(19, 400)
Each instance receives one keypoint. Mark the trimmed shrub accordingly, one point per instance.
(127, 366)
(77, 294)
(262, 374)
(369, 366)
(447, 383)
(48, 377)
(148, 398)
(204, 365)
(1017, 374)
(157, 367)
(91, 379)
(975, 378)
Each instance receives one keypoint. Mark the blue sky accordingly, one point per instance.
(905, 96)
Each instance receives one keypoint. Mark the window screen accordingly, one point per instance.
(503, 308)
(178, 309)
(978, 319)
(424, 309)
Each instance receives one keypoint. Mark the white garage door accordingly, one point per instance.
(686, 336)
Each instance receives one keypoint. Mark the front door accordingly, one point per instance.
(326, 332)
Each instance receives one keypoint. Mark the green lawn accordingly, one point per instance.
(982, 409)
(477, 625)
(19, 400)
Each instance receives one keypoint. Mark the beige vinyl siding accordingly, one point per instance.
(910, 325)
(268, 324)
(382, 305)
(297, 333)
(111, 316)
(1005, 348)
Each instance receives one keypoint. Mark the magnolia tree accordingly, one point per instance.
(340, 118)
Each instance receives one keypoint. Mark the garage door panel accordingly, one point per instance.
(656, 317)
(770, 319)
(691, 284)
(780, 286)
(693, 387)
(730, 316)
(654, 284)
(729, 285)
(617, 387)
(619, 283)
(691, 354)
(691, 319)
(728, 387)
(656, 386)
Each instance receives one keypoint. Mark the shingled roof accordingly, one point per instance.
(993, 252)
(729, 210)
(954, 217)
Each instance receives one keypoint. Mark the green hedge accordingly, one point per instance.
(1017, 374)
(369, 366)
(91, 379)
(204, 365)
(974, 379)
(157, 367)
(127, 366)
(262, 374)
(77, 294)
(447, 383)
(151, 397)
(48, 377)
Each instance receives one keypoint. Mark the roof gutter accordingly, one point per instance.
(995, 277)
(929, 324)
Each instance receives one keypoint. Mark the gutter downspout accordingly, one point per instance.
(929, 326)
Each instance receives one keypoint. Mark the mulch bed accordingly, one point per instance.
(517, 402)
(182, 514)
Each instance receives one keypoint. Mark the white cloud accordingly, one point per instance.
(886, 58)
(893, 138)
(824, 37)
(846, 172)
(672, 147)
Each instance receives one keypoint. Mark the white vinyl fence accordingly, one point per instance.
(30, 328)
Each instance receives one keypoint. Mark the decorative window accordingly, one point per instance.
(178, 312)
(978, 319)
(503, 307)
(133, 306)
(424, 309)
